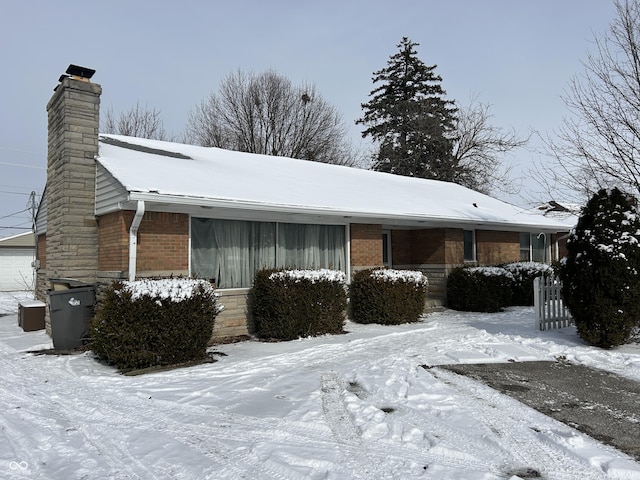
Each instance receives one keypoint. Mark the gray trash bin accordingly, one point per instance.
(71, 305)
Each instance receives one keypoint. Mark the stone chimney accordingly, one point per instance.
(73, 123)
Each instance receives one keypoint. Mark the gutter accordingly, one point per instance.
(133, 240)
(417, 220)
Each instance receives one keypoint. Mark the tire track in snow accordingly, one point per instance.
(343, 428)
(335, 411)
(59, 421)
(529, 451)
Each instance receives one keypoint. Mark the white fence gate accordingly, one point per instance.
(551, 311)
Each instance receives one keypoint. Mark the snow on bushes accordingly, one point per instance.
(387, 296)
(491, 289)
(154, 322)
(479, 289)
(312, 276)
(172, 289)
(407, 276)
(290, 304)
(601, 284)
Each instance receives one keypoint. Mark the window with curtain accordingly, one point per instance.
(469, 246)
(230, 252)
(525, 246)
(532, 247)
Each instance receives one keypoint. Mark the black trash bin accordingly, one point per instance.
(71, 304)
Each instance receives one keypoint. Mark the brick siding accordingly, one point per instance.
(366, 245)
(113, 241)
(494, 247)
(41, 250)
(163, 242)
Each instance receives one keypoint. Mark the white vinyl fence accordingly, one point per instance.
(551, 311)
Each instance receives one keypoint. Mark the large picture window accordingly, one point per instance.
(230, 252)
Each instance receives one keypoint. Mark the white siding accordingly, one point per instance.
(109, 192)
(41, 215)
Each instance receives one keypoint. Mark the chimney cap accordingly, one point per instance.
(82, 72)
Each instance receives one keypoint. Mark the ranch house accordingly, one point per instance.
(120, 207)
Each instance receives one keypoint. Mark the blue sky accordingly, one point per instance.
(516, 55)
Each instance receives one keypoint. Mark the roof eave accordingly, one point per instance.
(348, 216)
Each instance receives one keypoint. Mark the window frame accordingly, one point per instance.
(473, 248)
(531, 247)
(343, 257)
(386, 248)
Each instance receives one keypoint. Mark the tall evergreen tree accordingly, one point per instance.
(410, 118)
(601, 273)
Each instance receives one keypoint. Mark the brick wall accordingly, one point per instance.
(41, 250)
(41, 273)
(113, 241)
(428, 246)
(493, 247)
(401, 247)
(454, 246)
(163, 243)
(366, 245)
(561, 239)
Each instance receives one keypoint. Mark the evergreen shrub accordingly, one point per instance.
(600, 275)
(387, 296)
(479, 289)
(523, 274)
(150, 323)
(290, 304)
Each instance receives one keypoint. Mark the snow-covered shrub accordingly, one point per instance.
(479, 289)
(523, 274)
(154, 322)
(289, 304)
(387, 296)
(600, 276)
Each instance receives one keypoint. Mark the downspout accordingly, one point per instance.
(544, 235)
(133, 240)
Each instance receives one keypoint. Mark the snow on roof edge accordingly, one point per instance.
(240, 180)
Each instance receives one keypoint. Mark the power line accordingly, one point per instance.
(15, 193)
(22, 151)
(16, 213)
(16, 228)
(22, 165)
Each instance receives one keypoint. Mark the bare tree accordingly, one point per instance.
(265, 113)
(598, 145)
(138, 121)
(479, 149)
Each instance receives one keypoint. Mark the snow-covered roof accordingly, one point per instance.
(187, 175)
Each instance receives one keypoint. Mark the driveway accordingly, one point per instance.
(600, 404)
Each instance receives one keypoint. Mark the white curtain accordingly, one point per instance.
(311, 246)
(230, 252)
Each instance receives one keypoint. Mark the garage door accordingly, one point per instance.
(16, 272)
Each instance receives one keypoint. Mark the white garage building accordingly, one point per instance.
(16, 257)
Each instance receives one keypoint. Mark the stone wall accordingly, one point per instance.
(234, 320)
(72, 230)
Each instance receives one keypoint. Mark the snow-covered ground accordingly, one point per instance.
(353, 406)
